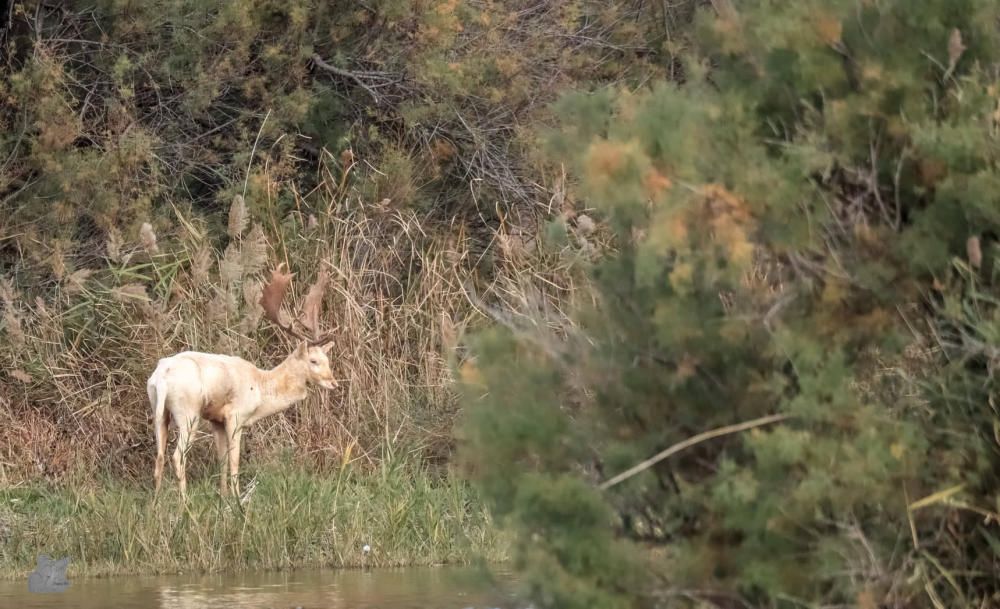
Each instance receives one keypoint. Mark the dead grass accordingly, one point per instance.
(76, 355)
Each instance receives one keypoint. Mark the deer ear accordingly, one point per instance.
(301, 349)
(328, 347)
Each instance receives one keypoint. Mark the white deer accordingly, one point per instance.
(231, 393)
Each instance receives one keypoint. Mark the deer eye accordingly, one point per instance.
(312, 361)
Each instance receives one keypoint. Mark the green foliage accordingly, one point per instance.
(788, 224)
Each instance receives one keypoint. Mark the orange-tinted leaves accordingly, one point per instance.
(655, 183)
(829, 28)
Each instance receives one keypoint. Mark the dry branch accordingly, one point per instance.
(345, 74)
(698, 439)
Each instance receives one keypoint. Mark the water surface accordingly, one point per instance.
(409, 588)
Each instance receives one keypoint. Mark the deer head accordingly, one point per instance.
(313, 350)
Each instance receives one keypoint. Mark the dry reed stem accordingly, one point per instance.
(392, 281)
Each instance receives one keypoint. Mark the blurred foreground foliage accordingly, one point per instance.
(806, 227)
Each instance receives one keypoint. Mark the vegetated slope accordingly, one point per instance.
(392, 140)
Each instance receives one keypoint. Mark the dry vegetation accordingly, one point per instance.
(399, 297)
(126, 132)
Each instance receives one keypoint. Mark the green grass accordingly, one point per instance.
(293, 518)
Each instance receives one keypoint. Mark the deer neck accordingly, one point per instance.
(282, 387)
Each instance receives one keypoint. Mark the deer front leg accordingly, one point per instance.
(234, 432)
(222, 450)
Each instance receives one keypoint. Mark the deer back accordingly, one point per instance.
(215, 383)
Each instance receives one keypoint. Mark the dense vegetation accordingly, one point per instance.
(622, 224)
(156, 158)
(807, 236)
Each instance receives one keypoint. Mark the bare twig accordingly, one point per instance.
(253, 151)
(698, 439)
(344, 73)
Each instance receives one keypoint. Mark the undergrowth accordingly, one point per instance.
(289, 517)
(398, 299)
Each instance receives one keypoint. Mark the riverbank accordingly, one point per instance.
(292, 518)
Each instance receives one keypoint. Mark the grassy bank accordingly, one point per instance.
(292, 518)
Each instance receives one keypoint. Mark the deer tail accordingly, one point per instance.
(156, 388)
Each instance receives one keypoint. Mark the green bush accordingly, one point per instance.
(806, 228)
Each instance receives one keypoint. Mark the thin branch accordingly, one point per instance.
(698, 439)
(253, 151)
(344, 73)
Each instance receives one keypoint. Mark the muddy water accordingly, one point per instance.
(411, 588)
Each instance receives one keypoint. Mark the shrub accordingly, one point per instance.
(805, 228)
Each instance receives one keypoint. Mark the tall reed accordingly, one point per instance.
(76, 354)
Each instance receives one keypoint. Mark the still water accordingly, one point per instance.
(410, 588)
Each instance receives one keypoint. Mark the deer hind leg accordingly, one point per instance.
(222, 450)
(185, 429)
(161, 450)
(160, 417)
(234, 433)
